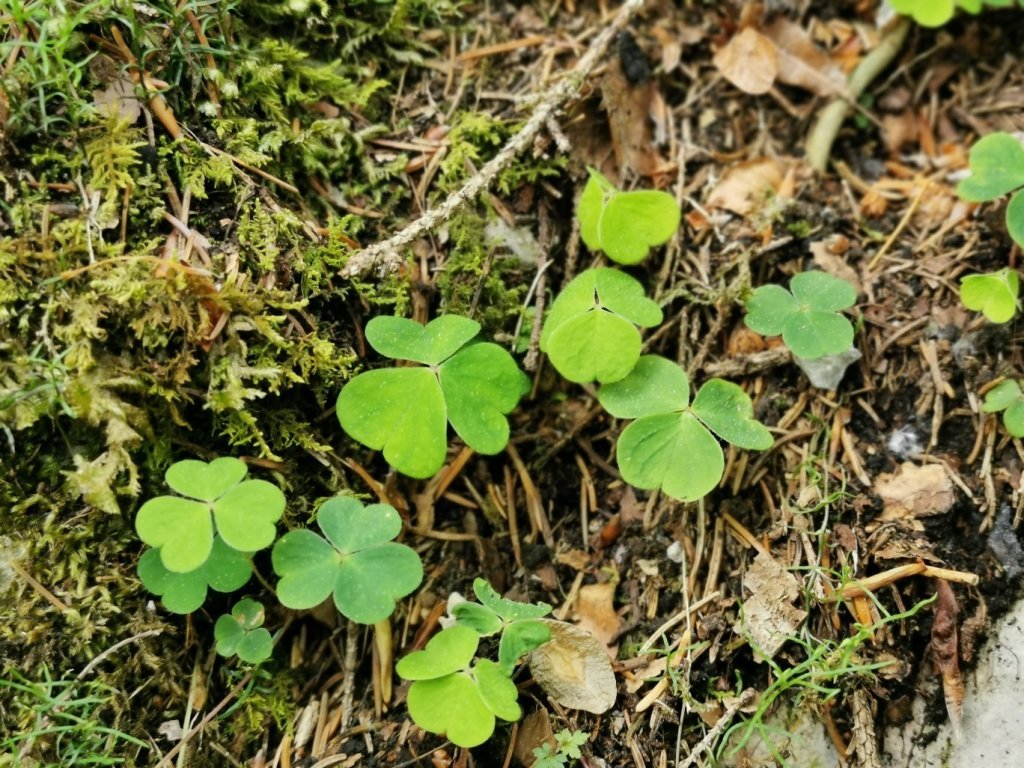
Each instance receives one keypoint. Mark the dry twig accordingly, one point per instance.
(385, 255)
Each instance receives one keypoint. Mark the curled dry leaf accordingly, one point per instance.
(595, 613)
(573, 669)
(749, 61)
(800, 62)
(746, 186)
(945, 648)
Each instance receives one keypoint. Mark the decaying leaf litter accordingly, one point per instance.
(227, 327)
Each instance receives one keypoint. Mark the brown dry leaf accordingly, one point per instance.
(800, 62)
(744, 187)
(574, 670)
(749, 61)
(825, 256)
(915, 491)
(628, 107)
(944, 646)
(769, 618)
(596, 614)
(534, 730)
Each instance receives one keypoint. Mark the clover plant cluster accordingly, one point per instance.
(457, 694)
(935, 13)
(204, 538)
(997, 169)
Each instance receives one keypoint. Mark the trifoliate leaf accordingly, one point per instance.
(182, 529)
(590, 333)
(452, 707)
(357, 562)
(625, 225)
(668, 446)
(807, 318)
(242, 633)
(405, 411)
(993, 294)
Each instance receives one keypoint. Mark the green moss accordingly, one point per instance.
(476, 281)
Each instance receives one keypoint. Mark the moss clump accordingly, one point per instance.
(479, 283)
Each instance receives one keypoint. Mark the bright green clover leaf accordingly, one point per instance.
(625, 225)
(807, 318)
(510, 610)
(405, 411)
(997, 168)
(245, 512)
(358, 561)
(669, 445)
(242, 633)
(993, 294)
(448, 651)
(517, 640)
(463, 705)
(1008, 398)
(225, 570)
(520, 632)
(590, 333)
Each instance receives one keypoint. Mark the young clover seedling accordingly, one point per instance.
(1008, 398)
(451, 698)
(405, 411)
(225, 570)
(807, 319)
(517, 623)
(245, 512)
(358, 561)
(993, 294)
(625, 225)
(242, 633)
(670, 445)
(997, 169)
(591, 332)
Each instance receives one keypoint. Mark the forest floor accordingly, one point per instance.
(183, 276)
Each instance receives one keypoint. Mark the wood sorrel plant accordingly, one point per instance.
(461, 381)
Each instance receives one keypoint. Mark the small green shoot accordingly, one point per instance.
(591, 332)
(993, 294)
(405, 411)
(225, 570)
(357, 562)
(625, 225)
(670, 444)
(242, 634)
(567, 748)
(807, 318)
(245, 512)
(517, 623)
(451, 698)
(1008, 398)
(997, 169)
